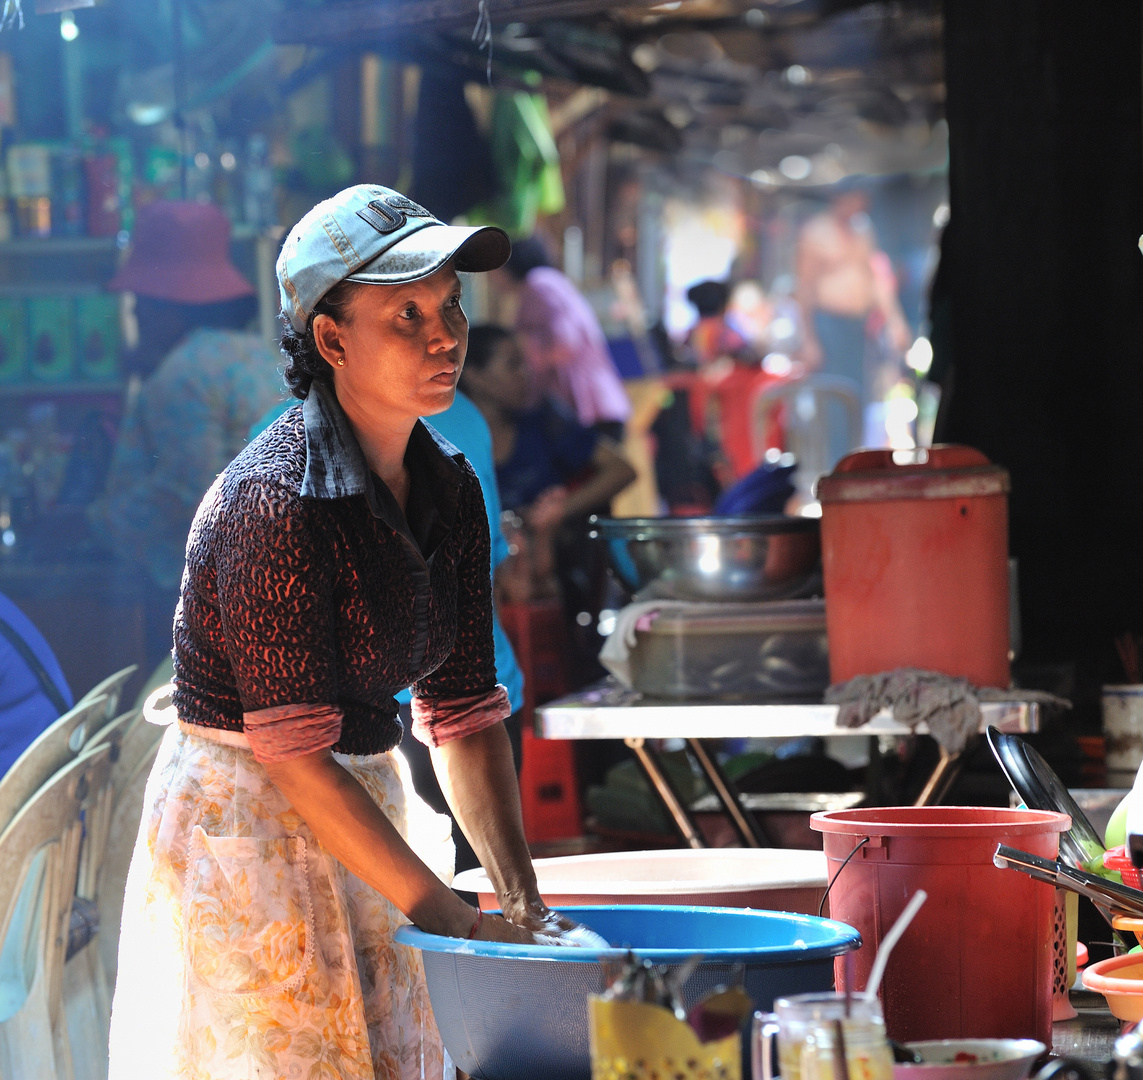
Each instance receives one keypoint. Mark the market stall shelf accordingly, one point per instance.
(607, 711)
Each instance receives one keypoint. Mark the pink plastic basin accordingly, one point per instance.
(768, 878)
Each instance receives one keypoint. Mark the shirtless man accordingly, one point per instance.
(840, 286)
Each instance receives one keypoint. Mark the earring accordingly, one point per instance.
(341, 361)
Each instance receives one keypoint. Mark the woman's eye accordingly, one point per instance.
(410, 312)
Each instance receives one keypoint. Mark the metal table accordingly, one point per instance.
(608, 711)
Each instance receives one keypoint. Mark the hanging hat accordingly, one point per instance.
(181, 251)
(375, 235)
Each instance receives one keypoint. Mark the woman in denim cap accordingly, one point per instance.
(342, 556)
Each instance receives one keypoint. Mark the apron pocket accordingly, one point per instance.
(248, 916)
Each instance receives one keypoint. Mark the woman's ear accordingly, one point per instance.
(329, 341)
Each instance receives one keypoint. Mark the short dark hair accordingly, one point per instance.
(710, 297)
(526, 255)
(304, 362)
(482, 343)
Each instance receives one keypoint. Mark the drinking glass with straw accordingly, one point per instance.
(836, 1036)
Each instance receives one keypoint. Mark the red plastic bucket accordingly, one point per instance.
(976, 962)
(915, 560)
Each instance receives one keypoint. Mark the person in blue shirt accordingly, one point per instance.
(33, 690)
(463, 425)
(554, 473)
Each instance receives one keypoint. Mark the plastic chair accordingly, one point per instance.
(97, 814)
(815, 443)
(138, 747)
(121, 735)
(86, 989)
(39, 859)
(110, 688)
(53, 748)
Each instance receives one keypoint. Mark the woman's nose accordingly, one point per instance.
(443, 336)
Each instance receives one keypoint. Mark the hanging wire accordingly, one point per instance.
(825, 896)
(13, 15)
(481, 34)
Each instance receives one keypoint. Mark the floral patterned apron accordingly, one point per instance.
(248, 951)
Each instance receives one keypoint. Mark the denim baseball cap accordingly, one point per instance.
(376, 235)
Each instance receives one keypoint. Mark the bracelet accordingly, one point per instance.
(476, 925)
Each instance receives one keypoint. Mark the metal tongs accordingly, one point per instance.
(1106, 895)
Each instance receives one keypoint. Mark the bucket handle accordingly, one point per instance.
(857, 847)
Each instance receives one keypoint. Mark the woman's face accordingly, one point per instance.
(403, 348)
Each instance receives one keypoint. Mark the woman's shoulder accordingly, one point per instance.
(274, 461)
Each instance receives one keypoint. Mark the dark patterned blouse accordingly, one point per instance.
(305, 584)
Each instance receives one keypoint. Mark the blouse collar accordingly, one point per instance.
(336, 467)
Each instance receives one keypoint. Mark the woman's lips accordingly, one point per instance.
(447, 378)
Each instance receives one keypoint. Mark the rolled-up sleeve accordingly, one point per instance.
(439, 722)
(288, 731)
(462, 696)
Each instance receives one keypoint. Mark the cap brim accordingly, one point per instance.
(476, 249)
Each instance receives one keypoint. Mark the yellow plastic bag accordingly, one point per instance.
(631, 1040)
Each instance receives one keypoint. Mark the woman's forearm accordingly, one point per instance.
(478, 779)
(355, 831)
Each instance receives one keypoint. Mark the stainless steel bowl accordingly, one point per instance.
(764, 557)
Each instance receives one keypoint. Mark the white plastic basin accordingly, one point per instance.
(771, 878)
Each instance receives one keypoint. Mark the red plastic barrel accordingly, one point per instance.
(976, 962)
(915, 559)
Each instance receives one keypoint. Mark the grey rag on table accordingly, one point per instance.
(948, 705)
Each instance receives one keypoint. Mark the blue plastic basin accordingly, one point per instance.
(519, 1012)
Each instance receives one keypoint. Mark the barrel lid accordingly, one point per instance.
(939, 472)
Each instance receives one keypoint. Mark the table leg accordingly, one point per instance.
(679, 813)
(727, 794)
(942, 778)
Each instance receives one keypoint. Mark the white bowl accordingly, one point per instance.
(769, 878)
(994, 1059)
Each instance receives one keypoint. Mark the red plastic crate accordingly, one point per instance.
(549, 789)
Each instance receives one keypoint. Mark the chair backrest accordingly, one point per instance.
(50, 822)
(110, 688)
(136, 757)
(53, 748)
(116, 734)
(98, 808)
(136, 752)
(811, 403)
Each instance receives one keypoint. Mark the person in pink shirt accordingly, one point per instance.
(564, 343)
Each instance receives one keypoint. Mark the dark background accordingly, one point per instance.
(1044, 279)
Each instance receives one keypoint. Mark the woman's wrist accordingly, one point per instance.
(522, 906)
(450, 918)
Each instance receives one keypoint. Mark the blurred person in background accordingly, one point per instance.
(840, 290)
(198, 382)
(33, 690)
(553, 472)
(551, 469)
(563, 342)
(712, 337)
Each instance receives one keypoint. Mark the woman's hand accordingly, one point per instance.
(497, 928)
(548, 511)
(554, 928)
